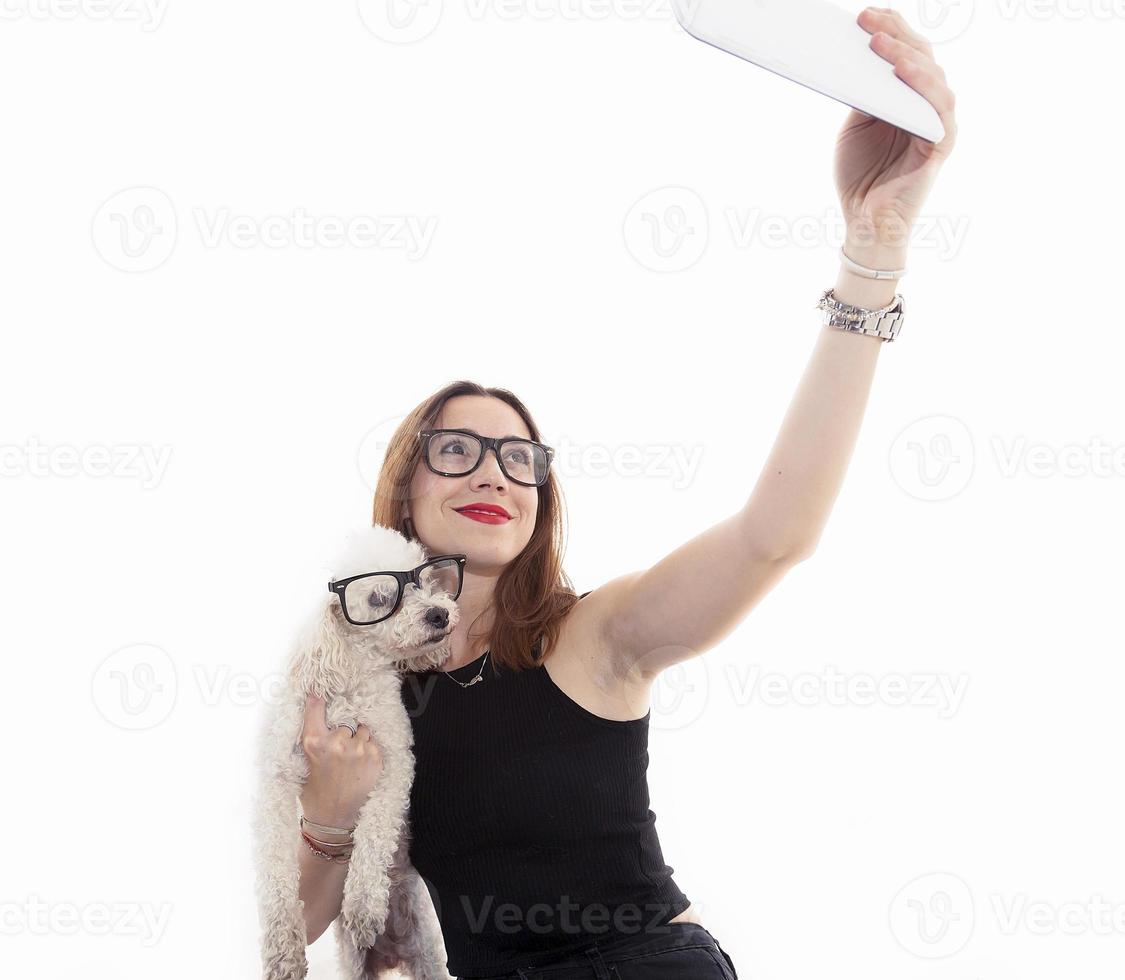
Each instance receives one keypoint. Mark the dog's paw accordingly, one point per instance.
(364, 921)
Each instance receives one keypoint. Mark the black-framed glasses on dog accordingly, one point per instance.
(457, 452)
(370, 598)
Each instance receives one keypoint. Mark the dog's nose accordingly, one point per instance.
(437, 618)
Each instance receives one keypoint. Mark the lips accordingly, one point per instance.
(487, 513)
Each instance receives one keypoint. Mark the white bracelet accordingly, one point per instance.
(862, 270)
(322, 829)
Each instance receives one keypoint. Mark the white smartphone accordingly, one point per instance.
(816, 44)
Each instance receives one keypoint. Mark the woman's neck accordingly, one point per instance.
(465, 649)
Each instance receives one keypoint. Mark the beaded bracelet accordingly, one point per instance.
(342, 858)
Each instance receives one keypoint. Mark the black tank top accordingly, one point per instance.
(530, 819)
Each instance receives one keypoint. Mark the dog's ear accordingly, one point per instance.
(321, 665)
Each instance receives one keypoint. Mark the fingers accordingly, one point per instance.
(913, 60)
(316, 720)
(893, 23)
(891, 49)
(927, 81)
(316, 723)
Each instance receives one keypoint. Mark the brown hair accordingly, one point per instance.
(534, 593)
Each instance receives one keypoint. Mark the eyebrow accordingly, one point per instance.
(475, 433)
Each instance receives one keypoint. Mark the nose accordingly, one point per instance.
(437, 618)
(490, 467)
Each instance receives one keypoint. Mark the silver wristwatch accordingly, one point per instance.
(884, 324)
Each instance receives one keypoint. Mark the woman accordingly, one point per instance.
(529, 809)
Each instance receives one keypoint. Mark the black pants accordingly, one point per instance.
(686, 951)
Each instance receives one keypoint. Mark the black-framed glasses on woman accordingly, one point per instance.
(456, 452)
(370, 598)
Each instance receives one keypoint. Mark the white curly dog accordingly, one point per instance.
(387, 912)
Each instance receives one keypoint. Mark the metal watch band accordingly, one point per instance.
(884, 324)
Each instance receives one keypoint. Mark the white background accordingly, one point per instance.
(975, 542)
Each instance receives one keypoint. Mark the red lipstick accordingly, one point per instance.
(485, 513)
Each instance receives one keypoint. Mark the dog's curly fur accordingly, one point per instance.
(387, 912)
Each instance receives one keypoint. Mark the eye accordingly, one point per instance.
(519, 455)
(454, 447)
(376, 599)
